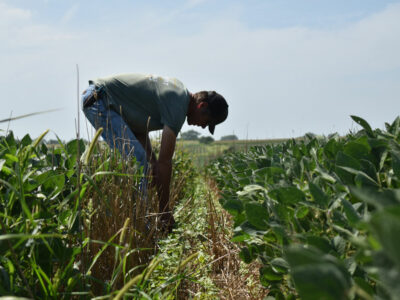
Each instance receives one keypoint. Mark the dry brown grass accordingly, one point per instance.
(233, 280)
(122, 227)
(116, 221)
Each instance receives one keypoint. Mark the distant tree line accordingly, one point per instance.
(193, 135)
(231, 137)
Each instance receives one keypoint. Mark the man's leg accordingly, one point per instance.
(116, 132)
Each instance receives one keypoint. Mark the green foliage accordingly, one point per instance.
(190, 135)
(38, 213)
(206, 140)
(231, 137)
(321, 214)
(49, 205)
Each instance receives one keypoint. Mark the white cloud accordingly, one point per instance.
(12, 15)
(278, 82)
(18, 31)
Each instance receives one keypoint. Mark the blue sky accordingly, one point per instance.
(285, 67)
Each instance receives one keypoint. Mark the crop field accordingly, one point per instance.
(322, 215)
(201, 154)
(308, 218)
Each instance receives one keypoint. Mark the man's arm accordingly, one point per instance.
(144, 140)
(164, 168)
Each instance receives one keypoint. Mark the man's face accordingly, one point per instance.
(200, 117)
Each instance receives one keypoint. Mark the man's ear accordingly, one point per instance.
(202, 104)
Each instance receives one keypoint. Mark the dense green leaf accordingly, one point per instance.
(377, 198)
(288, 195)
(364, 124)
(339, 244)
(267, 274)
(351, 213)
(369, 168)
(280, 265)
(26, 140)
(357, 149)
(246, 256)
(317, 276)
(54, 183)
(268, 172)
(332, 148)
(257, 215)
(74, 146)
(318, 195)
(395, 127)
(302, 212)
(321, 243)
(344, 162)
(361, 179)
(338, 199)
(386, 226)
(396, 163)
(233, 206)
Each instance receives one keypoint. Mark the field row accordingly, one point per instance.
(321, 214)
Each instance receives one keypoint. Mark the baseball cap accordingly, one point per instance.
(218, 109)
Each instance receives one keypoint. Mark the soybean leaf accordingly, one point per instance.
(369, 168)
(268, 172)
(361, 178)
(357, 149)
(395, 162)
(379, 199)
(339, 244)
(318, 195)
(233, 206)
(395, 127)
(320, 243)
(73, 146)
(325, 175)
(245, 255)
(54, 183)
(351, 214)
(301, 212)
(257, 215)
(288, 195)
(280, 265)
(26, 140)
(267, 274)
(344, 160)
(332, 148)
(364, 124)
(317, 276)
(386, 226)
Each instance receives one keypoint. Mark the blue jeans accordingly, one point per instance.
(116, 132)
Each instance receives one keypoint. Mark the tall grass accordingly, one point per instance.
(74, 225)
(120, 224)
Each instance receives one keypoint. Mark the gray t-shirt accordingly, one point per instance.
(147, 102)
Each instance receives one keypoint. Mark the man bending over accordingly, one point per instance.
(128, 106)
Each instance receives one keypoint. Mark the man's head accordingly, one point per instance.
(207, 108)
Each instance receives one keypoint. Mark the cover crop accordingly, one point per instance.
(71, 221)
(322, 215)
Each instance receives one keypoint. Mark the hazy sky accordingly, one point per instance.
(286, 67)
